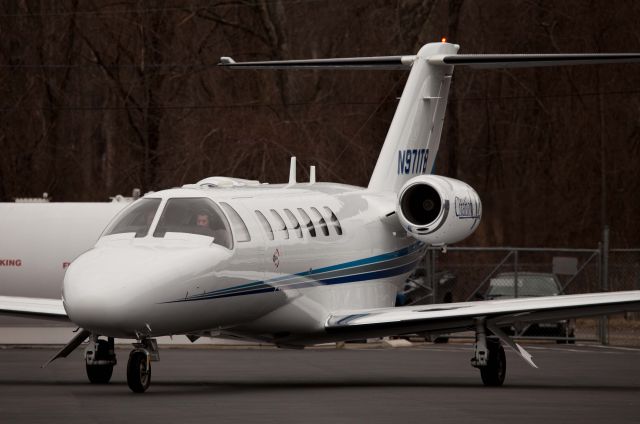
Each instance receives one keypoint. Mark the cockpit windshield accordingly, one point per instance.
(197, 215)
(137, 218)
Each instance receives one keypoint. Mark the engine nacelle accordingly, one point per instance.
(438, 210)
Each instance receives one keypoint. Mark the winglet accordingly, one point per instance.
(226, 60)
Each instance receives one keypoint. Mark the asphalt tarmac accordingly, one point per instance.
(424, 383)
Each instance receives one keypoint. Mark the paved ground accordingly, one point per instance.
(424, 383)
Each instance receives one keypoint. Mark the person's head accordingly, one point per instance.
(202, 220)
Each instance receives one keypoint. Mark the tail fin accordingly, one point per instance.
(414, 136)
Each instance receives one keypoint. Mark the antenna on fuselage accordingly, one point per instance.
(292, 171)
(312, 175)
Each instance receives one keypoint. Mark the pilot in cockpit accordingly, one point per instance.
(212, 226)
(202, 224)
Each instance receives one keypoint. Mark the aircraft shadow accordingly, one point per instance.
(230, 387)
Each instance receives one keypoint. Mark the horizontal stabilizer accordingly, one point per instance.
(412, 142)
(532, 60)
(377, 62)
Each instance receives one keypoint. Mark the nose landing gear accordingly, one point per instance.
(139, 365)
(100, 358)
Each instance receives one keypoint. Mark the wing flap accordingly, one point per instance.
(452, 317)
(33, 307)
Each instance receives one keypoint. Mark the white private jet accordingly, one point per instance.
(298, 264)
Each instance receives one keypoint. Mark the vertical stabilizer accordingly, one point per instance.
(412, 142)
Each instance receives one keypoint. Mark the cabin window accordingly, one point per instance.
(137, 218)
(281, 227)
(265, 224)
(334, 221)
(320, 220)
(238, 226)
(195, 215)
(307, 222)
(295, 225)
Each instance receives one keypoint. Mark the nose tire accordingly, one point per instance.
(138, 372)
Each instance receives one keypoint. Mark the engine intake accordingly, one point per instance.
(421, 204)
(438, 210)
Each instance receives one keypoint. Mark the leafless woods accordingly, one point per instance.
(99, 96)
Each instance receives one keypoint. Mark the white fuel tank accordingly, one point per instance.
(38, 241)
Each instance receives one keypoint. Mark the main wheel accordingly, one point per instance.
(138, 372)
(494, 373)
(101, 374)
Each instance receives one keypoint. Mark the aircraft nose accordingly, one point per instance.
(122, 291)
(101, 287)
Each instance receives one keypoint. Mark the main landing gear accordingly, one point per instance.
(139, 365)
(100, 358)
(489, 357)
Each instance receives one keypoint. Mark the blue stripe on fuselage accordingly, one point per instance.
(343, 266)
(257, 287)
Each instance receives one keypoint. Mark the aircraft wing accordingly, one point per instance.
(33, 307)
(453, 317)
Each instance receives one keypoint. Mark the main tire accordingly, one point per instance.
(101, 374)
(496, 370)
(138, 372)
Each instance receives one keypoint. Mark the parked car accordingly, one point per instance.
(532, 284)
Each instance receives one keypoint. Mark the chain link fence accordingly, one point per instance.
(476, 273)
(624, 274)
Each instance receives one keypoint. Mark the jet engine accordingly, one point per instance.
(438, 210)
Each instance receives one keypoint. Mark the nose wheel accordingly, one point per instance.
(138, 372)
(139, 365)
